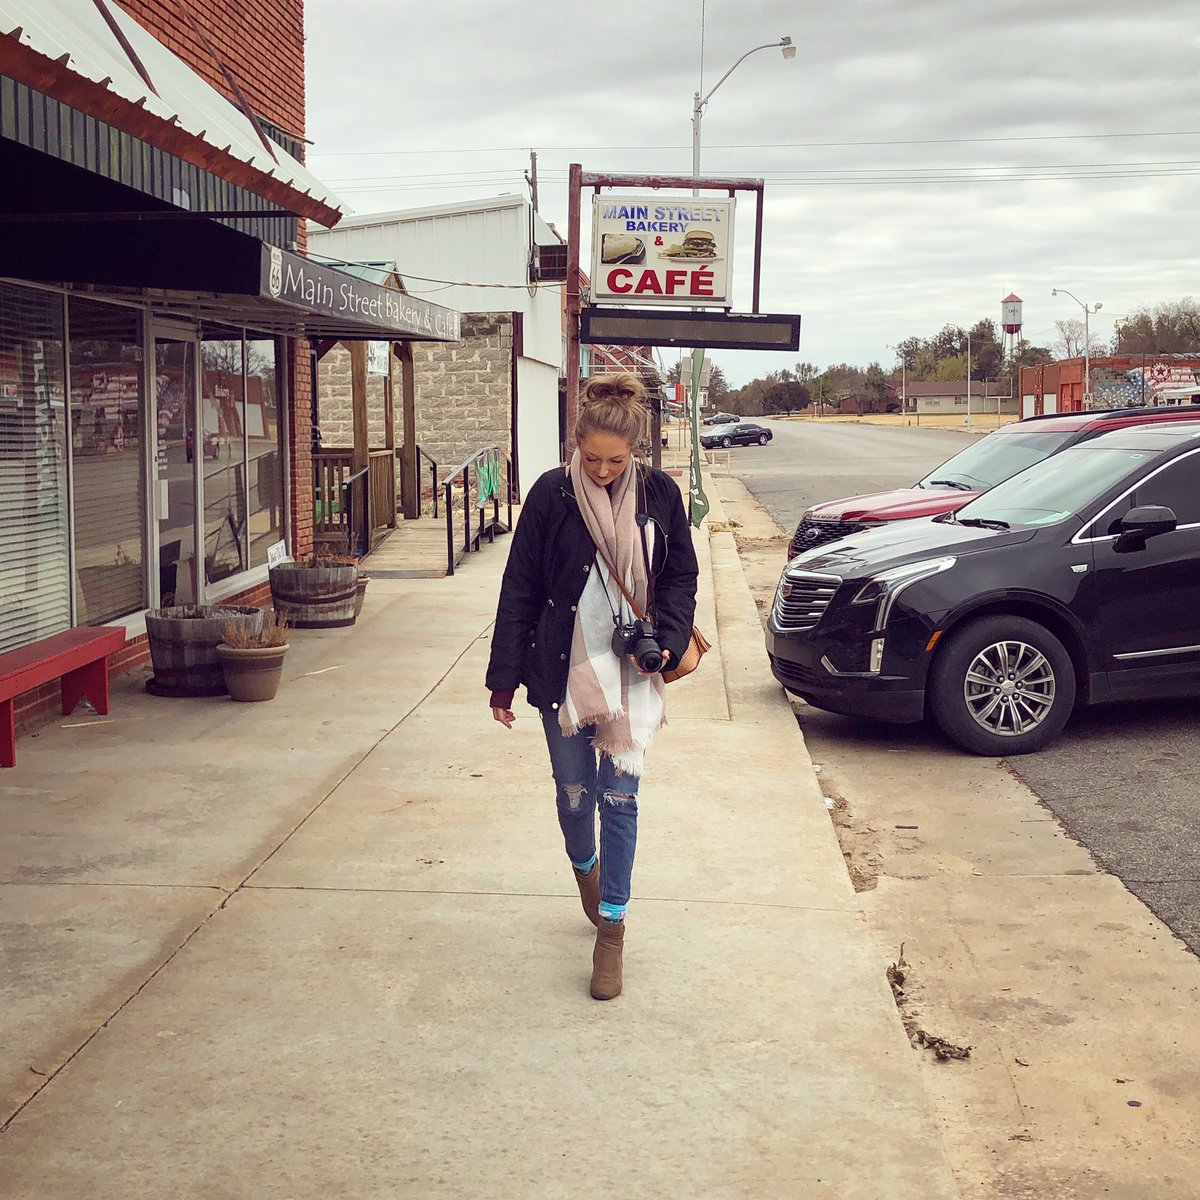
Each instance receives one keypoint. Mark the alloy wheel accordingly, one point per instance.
(1009, 688)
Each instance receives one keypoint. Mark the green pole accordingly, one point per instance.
(698, 501)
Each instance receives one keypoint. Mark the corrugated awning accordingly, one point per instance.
(68, 50)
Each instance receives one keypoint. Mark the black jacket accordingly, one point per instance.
(549, 563)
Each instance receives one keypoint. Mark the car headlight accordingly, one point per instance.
(883, 589)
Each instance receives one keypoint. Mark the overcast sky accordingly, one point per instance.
(923, 158)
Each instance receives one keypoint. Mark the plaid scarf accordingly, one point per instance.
(626, 707)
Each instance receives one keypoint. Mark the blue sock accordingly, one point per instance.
(613, 913)
(584, 868)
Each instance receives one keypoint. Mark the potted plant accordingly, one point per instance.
(183, 646)
(318, 592)
(253, 659)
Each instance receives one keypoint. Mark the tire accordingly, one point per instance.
(980, 716)
(726, 443)
(763, 439)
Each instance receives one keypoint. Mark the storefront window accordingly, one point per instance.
(222, 456)
(34, 557)
(106, 440)
(265, 475)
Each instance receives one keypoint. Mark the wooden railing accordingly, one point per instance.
(381, 477)
(330, 469)
(333, 505)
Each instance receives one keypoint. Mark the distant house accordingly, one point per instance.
(856, 403)
(950, 398)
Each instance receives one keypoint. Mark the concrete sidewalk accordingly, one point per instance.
(328, 947)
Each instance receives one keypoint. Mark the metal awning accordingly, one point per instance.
(69, 50)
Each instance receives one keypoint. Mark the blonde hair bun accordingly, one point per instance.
(614, 404)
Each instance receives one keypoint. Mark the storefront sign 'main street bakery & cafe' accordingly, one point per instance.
(662, 251)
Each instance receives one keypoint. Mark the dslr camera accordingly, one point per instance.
(637, 638)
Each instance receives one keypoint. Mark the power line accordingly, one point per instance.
(1042, 137)
(339, 181)
(779, 181)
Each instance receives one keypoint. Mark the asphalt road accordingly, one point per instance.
(1121, 779)
(811, 461)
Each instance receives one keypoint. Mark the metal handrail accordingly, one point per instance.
(434, 472)
(469, 541)
(364, 547)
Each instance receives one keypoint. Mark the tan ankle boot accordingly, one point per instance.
(606, 960)
(589, 892)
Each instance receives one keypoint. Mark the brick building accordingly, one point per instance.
(157, 310)
(1116, 381)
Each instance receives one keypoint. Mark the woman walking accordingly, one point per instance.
(562, 631)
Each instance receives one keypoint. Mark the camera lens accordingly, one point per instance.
(649, 656)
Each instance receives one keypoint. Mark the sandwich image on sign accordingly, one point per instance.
(622, 248)
(697, 243)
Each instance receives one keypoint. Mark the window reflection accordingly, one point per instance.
(264, 475)
(222, 456)
(106, 440)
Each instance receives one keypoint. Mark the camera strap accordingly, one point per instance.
(633, 604)
(642, 520)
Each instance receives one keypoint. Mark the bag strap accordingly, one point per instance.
(633, 604)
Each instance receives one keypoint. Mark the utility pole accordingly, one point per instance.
(532, 180)
(968, 379)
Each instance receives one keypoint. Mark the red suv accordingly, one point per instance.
(989, 461)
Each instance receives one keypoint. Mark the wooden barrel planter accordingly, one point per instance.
(183, 647)
(315, 596)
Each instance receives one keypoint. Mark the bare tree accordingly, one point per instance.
(1069, 343)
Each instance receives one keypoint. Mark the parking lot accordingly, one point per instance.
(1119, 779)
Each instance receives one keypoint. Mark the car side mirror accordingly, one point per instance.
(1141, 523)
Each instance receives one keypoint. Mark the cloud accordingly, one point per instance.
(871, 243)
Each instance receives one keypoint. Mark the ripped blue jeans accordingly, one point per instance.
(584, 784)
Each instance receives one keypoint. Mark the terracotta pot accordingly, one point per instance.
(252, 674)
(183, 647)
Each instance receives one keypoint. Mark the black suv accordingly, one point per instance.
(1076, 581)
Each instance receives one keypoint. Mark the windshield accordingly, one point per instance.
(1053, 491)
(993, 459)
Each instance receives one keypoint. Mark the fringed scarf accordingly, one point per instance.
(626, 707)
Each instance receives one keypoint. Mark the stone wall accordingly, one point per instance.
(463, 393)
(464, 390)
(335, 417)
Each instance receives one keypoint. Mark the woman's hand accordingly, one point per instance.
(666, 659)
(505, 716)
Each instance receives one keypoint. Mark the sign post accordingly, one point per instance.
(697, 500)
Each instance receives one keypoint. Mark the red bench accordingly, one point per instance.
(79, 656)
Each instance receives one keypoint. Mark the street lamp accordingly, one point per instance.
(1087, 339)
(698, 102)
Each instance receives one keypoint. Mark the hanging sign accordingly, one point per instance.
(660, 251)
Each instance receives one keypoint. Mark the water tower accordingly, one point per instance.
(1010, 320)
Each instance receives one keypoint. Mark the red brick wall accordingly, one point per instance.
(300, 480)
(260, 41)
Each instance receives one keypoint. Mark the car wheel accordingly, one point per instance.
(1002, 685)
(726, 442)
(763, 439)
